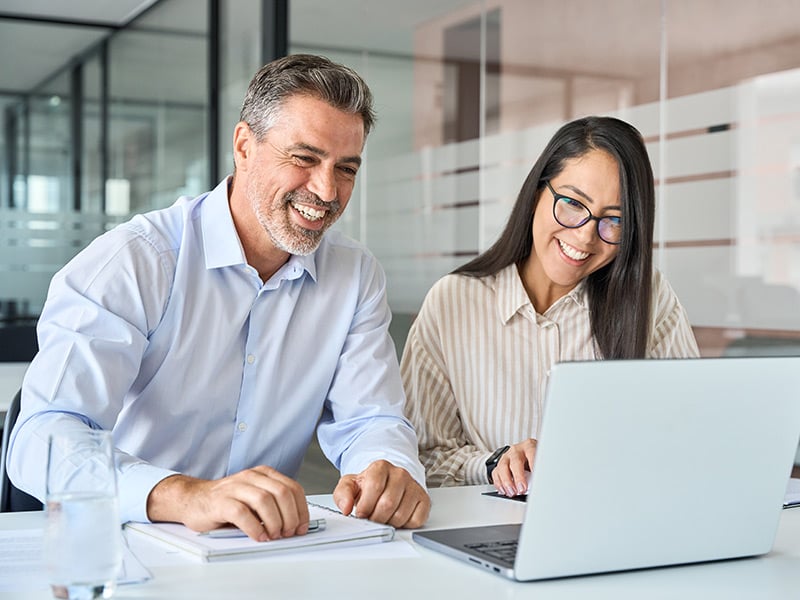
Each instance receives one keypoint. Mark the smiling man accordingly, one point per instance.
(213, 337)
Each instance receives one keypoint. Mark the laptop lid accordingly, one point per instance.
(649, 463)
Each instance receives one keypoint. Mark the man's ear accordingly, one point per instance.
(243, 140)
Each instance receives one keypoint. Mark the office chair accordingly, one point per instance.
(13, 499)
(19, 343)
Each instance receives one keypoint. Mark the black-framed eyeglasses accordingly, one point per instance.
(571, 213)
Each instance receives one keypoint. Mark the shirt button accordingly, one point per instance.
(242, 427)
(250, 359)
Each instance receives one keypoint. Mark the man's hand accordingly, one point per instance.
(509, 476)
(384, 493)
(262, 502)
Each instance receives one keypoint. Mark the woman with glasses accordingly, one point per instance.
(570, 278)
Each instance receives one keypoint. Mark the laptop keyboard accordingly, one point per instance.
(501, 550)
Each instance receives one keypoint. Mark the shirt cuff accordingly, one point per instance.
(396, 445)
(135, 484)
(475, 469)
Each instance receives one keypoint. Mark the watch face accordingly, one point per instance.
(492, 460)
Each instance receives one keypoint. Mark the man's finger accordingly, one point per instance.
(372, 483)
(280, 503)
(413, 513)
(389, 504)
(404, 510)
(345, 495)
(421, 513)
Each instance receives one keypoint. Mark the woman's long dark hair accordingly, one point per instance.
(619, 293)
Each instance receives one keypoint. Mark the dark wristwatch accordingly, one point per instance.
(491, 462)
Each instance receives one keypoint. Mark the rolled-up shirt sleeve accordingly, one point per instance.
(363, 418)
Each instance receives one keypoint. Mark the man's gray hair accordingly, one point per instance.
(309, 75)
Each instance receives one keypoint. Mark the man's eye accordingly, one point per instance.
(303, 159)
(349, 170)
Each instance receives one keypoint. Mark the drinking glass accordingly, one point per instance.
(83, 535)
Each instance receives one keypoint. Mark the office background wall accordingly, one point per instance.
(467, 95)
(472, 91)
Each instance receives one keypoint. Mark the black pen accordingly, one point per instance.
(235, 532)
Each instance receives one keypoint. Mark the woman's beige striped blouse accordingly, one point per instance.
(477, 358)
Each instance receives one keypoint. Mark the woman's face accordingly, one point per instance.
(561, 256)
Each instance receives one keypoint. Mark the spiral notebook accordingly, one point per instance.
(339, 531)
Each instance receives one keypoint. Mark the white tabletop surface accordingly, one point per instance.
(11, 374)
(421, 573)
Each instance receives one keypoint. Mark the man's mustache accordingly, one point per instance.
(333, 207)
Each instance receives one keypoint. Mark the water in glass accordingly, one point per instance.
(83, 539)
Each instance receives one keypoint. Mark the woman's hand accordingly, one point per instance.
(510, 475)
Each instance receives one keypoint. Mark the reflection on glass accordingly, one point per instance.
(479, 89)
(158, 125)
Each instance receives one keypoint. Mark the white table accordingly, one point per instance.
(427, 574)
(11, 374)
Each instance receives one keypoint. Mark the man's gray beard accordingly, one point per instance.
(297, 245)
(297, 240)
(283, 234)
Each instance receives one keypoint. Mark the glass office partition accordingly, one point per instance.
(6, 140)
(730, 218)
(12, 149)
(63, 180)
(468, 93)
(157, 113)
(415, 201)
(240, 58)
(49, 179)
(92, 175)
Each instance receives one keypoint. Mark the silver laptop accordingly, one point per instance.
(648, 463)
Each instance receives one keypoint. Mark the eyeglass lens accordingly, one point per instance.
(572, 213)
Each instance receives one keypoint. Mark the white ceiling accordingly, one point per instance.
(32, 51)
(115, 12)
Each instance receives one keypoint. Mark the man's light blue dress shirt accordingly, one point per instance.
(161, 331)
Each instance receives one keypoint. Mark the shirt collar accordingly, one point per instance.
(577, 295)
(298, 264)
(221, 242)
(511, 294)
